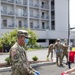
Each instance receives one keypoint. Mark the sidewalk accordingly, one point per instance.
(41, 54)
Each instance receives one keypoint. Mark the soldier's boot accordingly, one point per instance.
(57, 61)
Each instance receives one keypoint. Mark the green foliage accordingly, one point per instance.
(9, 38)
(7, 60)
(35, 58)
(32, 41)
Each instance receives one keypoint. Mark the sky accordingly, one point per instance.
(72, 13)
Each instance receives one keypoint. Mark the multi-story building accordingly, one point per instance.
(48, 18)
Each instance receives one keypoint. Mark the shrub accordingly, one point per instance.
(35, 58)
(7, 60)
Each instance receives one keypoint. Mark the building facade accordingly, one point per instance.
(48, 18)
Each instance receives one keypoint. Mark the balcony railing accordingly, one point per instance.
(3, 12)
(37, 16)
(12, 25)
(11, 1)
(7, 13)
(42, 17)
(52, 17)
(45, 6)
(4, 0)
(10, 13)
(36, 5)
(25, 26)
(18, 2)
(52, 7)
(24, 3)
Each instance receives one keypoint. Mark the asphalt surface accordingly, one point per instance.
(48, 69)
(52, 69)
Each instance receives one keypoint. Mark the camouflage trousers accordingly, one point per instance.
(65, 54)
(59, 58)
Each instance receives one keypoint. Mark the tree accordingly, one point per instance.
(32, 40)
(9, 38)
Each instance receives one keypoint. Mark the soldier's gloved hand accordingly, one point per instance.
(35, 74)
(38, 73)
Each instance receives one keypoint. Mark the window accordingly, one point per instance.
(4, 22)
(42, 15)
(53, 25)
(20, 24)
(31, 24)
(41, 40)
(43, 25)
(42, 4)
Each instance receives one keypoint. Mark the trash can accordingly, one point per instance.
(71, 56)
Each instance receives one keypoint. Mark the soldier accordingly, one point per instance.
(50, 50)
(59, 53)
(19, 61)
(65, 50)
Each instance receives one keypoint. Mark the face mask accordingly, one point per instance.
(26, 40)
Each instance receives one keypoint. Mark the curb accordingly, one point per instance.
(5, 69)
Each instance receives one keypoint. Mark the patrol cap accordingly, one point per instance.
(23, 33)
(58, 40)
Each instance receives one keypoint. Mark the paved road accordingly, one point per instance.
(47, 70)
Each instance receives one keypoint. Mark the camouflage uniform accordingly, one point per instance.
(20, 64)
(59, 53)
(18, 57)
(50, 50)
(65, 51)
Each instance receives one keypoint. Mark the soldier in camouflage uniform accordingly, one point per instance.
(19, 61)
(59, 52)
(50, 50)
(65, 50)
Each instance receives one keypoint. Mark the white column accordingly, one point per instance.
(15, 25)
(0, 14)
(39, 14)
(47, 32)
(28, 14)
(49, 14)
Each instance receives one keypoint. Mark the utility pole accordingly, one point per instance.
(68, 25)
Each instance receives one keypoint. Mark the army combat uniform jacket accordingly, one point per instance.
(19, 62)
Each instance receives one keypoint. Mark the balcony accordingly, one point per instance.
(12, 25)
(37, 16)
(7, 1)
(11, 13)
(24, 3)
(47, 17)
(25, 26)
(36, 5)
(45, 6)
(52, 7)
(18, 2)
(43, 17)
(52, 17)
(3, 0)
(3, 12)
(37, 27)
(11, 1)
